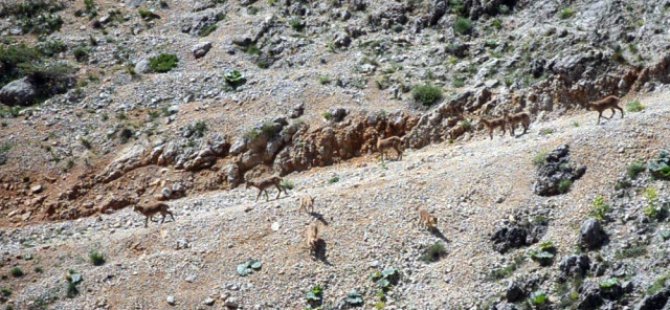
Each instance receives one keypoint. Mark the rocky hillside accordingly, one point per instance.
(107, 103)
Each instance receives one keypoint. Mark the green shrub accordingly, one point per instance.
(51, 48)
(324, 80)
(90, 8)
(540, 158)
(433, 253)
(458, 82)
(34, 16)
(234, 78)
(660, 168)
(497, 24)
(504, 272)
(631, 252)
(566, 13)
(287, 184)
(16, 272)
(315, 296)
(564, 186)
(85, 143)
(81, 53)
(609, 284)
(658, 285)
(97, 258)
(635, 106)
(654, 209)
(297, 24)
(334, 180)
(163, 63)
(538, 298)
(207, 30)
(545, 253)
(426, 94)
(327, 115)
(463, 26)
(198, 128)
(6, 292)
(634, 169)
(600, 209)
(147, 15)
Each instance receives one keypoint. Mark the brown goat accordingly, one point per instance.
(312, 237)
(515, 119)
(307, 204)
(391, 142)
(609, 102)
(493, 123)
(427, 220)
(264, 184)
(151, 210)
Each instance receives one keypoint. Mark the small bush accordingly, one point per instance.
(634, 169)
(97, 258)
(632, 252)
(207, 30)
(538, 298)
(659, 168)
(51, 48)
(564, 186)
(654, 209)
(427, 95)
(297, 24)
(234, 78)
(566, 13)
(659, 284)
(324, 80)
(163, 63)
(504, 272)
(433, 253)
(6, 292)
(315, 296)
(91, 8)
(334, 180)
(85, 143)
(327, 115)
(16, 272)
(600, 209)
(545, 253)
(147, 15)
(287, 184)
(497, 24)
(540, 158)
(609, 284)
(463, 26)
(635, 106)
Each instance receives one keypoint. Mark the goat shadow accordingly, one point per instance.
(437, 233)
(320, 253)
(318, 216)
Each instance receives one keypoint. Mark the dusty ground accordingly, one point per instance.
(371, 224)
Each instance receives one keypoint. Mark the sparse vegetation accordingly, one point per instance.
(632, 252)
(5, 292)
(633, 170)
(659, 284)
(600, 208)
(315, 296)
(538, 298)
(16, 272)
(163, 63)
(85, 143)
(564, 186)
(234, 78)
(654, 209)
(566, 13)
(327, 115)
(287, 184)
(659, 168)
(324, 80)
(97, 258)
(147, 15)
(334, 180)
(635, 106)
(297, 24)
(207, 30)
(34, 16)
(427, 94)
(545, 253)
(433, 253)
(463, 26)
(540, 158)
(504, 272)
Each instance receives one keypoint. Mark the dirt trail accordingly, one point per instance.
(468, 185)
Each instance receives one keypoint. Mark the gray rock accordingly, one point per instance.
(591, 235)
(170, 300)
(18, 92)
(201, 49)
(142, 66)
(209, 301)
(575, 266)
(656, 301)
(515, 292)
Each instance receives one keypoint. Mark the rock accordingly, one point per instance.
(589, 296)
(196, 25)
(655, 302)
(231, 303)
(18, 92)
(201, 49)
(239, 146)
(298, 111)
(170, 300)
(507, 238)
(554, 171)
(591, 235)
(142, 66)
(342, 40)
(131, 157)
(337, 114)
(3, 159)
(209, 301)
(36, 188)
(575, 266)
(515, 292)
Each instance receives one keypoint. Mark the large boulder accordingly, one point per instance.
(19, 92)
(554, 171)
(592, 235)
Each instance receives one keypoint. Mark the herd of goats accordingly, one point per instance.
(426, 219)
